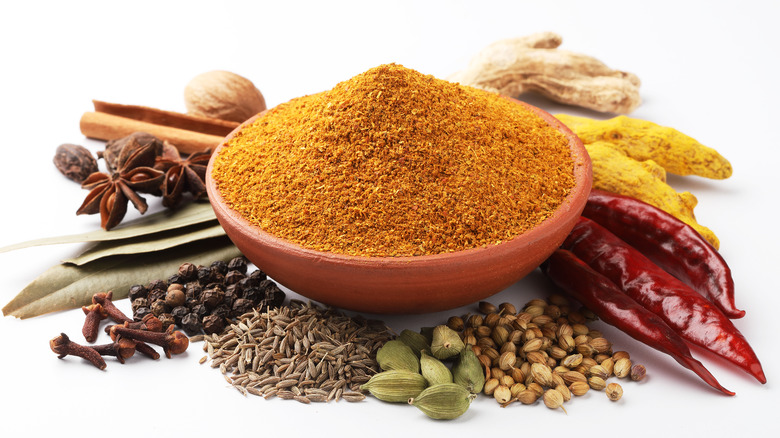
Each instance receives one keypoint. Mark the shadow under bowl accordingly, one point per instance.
(407, 285)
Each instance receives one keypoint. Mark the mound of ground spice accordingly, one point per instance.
(396, 163)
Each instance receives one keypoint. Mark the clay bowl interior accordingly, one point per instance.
(407, 285)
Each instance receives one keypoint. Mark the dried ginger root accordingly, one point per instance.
(615, 172)
(533, 63)
(643, 140)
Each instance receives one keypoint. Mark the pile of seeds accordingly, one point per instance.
(205, 298)
(301, 352)
(544, 351)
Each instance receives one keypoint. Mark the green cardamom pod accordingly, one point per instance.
(434, 371)
(468, 371)
(395, 355)
(446, 343)
(416, 341)
(395, 386)
(444, 401)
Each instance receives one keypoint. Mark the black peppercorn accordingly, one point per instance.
(204, 275)
(191, 324)
(212, 296)
(234, 289)
(167, 320)
(137, 291)
(221, 310)
(241, 306)
(190, 303)
(188, 272)
(274, 297)
(192, 290)
(229, 298)
(200, 310)
(139, 302)
(233, 277)
(217, 277)
(175, 279)
(246, 283)
(156, 295)
(253, 294)
(159, 307)
(220, 266)
(158, 284)
(178, 313)
(213, 324)
(257, 276)
(237, 264)
(141, 312)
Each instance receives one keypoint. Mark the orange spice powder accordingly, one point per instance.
(396, 163)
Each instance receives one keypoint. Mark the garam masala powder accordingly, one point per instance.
(396, 163)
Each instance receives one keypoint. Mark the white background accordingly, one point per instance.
(707, 68)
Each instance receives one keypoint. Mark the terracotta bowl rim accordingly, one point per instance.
(582, 186)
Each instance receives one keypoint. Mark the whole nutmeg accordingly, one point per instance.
(223, 95)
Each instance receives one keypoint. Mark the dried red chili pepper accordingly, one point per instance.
(691, 315)
(602, 296)
(673, 245)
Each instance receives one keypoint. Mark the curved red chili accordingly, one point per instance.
(670, 243)
(691, 315)
(602, 296)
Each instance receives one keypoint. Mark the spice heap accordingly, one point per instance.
(299, 352)
(205, 298)
(396, 163)
(543, 352)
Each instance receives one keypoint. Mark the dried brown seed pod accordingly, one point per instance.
(75, 161)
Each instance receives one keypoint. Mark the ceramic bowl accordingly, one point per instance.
(409, 285)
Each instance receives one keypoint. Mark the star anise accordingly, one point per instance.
(131, 173)
(182, 176)
(115, 149)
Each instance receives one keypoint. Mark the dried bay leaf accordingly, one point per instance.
(149, 243)
(68, 286)
(190, 214)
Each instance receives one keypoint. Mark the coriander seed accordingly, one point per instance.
(638, 372)
(553, 399)
(622, 368)
(614, 391)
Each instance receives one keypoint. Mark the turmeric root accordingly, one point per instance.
(642, 140)
(615, 172)
(533, 63)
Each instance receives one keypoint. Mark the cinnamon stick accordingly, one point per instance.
(204, 125)
(188, 133)
(105, 126)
